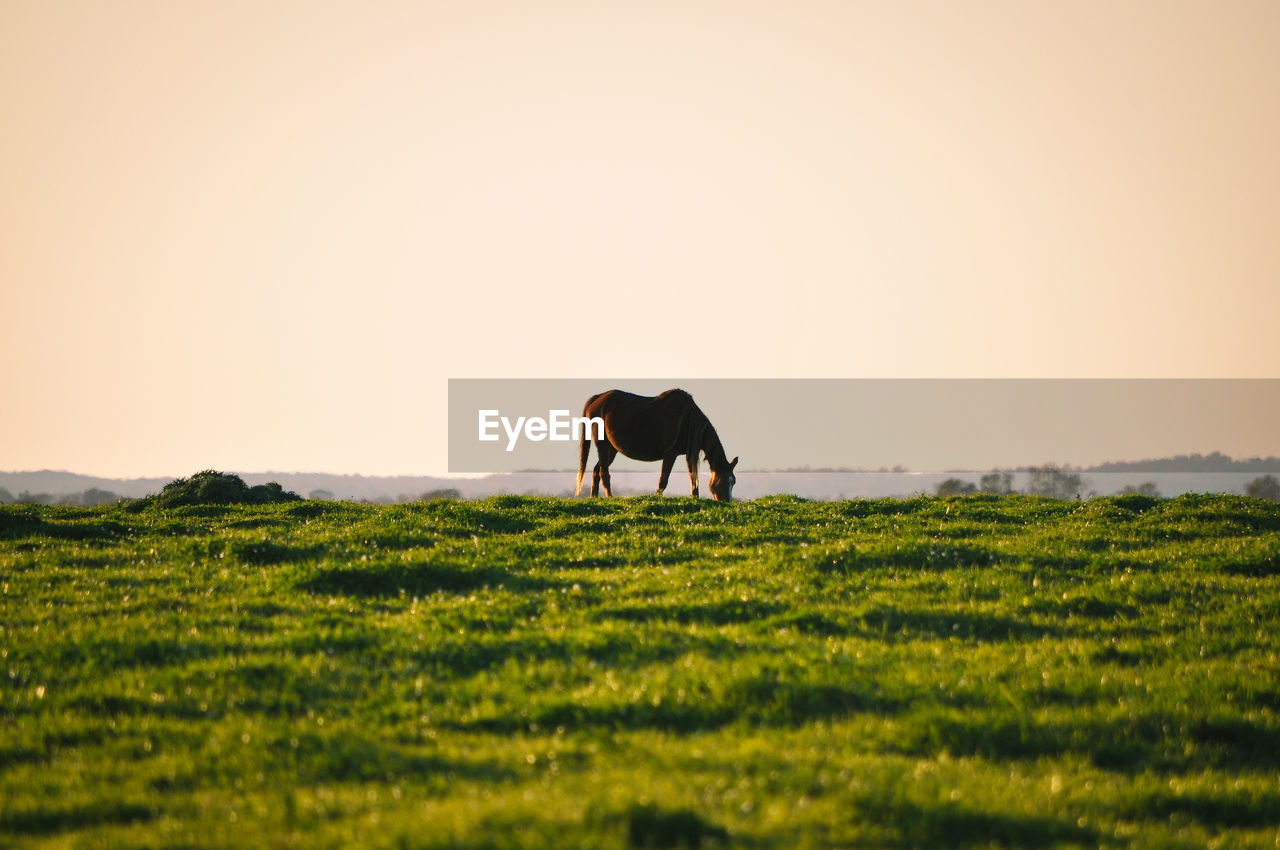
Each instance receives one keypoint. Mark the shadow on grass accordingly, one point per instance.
(1083, 606)
(607, 555)
(256, 522)
(632, 558)
(762, 699)
(816, 624)
(16, 523)
(270, 687)
(722, 613)
(1145, 742)
(467, 657)
(952, 827)
(109, 653)
(19, 523)
(55, 817)
(601, 525)
(890, 623)
(651, 827)
(352, 757)
(1211, 811)
(923, 555)
(263, 553)
(316, 509)
(462, 518)
(1255, 564)
(46, 746)
(119, 705)
(389, 580)
(307, 759)
(651, 505)
(274, 688)
(862, 508)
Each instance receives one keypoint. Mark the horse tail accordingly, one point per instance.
(584, 452)
(584, 449)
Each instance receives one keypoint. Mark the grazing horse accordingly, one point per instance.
(654, 428)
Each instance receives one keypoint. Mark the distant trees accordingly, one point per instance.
(956, 487)
(998, 483)
(1146, 488)
(321, 495)
(89, 498)
(1264, 487)
(1212, 462)
(444, 493)
(1048, 480)
(1053, 482)
(94, 497)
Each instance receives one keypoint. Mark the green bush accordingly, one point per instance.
(211, 487)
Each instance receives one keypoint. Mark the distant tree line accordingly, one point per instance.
(89, 498)
(1060, 483)
(1049, 480)
(1212, 462)
(210, 487)
(400, 499)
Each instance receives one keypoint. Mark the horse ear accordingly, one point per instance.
(733, 463)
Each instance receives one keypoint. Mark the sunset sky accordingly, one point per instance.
(263, 235)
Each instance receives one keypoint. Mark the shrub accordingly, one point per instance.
(1264, 487)
(211, 487)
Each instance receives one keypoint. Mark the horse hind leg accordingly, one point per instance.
(607, 453)
(595, 480)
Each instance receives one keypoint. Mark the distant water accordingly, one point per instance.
(871, 485)
(810, 485)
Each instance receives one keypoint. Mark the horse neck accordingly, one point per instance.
(712, 447)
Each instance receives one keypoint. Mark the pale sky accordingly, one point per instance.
(262, 236)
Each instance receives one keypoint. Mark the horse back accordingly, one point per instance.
(645, 428)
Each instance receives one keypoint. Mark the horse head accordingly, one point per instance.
(722, 481)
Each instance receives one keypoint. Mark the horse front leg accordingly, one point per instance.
(692, 458)
(667, 463)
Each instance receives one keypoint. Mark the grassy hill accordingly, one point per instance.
(647, 672)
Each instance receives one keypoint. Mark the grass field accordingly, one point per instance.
(647, 672)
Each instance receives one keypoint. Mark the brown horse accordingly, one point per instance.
(654, 428)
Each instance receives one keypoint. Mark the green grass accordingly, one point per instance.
(648, 672)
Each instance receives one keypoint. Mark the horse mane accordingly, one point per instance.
(710, 442)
